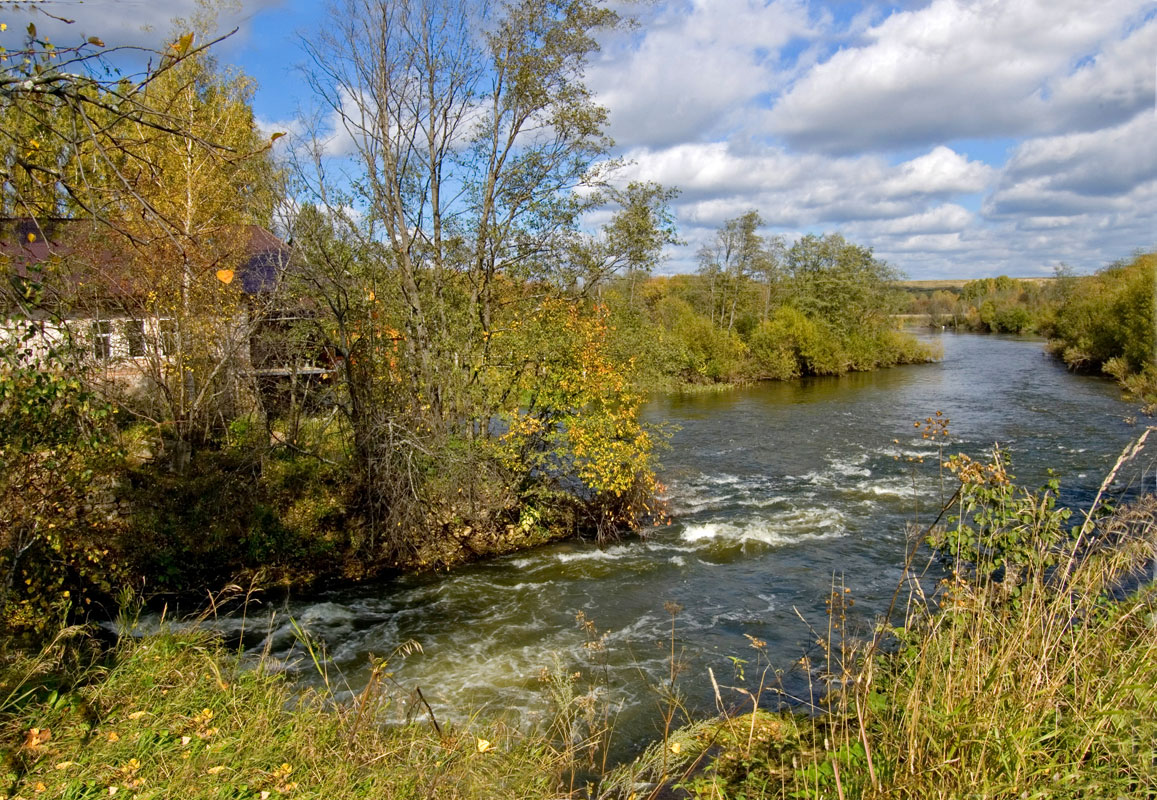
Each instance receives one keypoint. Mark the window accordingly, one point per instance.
(134, 332)
(168, 329)
(102, 340)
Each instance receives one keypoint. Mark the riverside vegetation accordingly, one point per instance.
(1030, 669)
(1100, 323)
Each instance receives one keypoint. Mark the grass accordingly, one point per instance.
(1030, 673)
(175, 716)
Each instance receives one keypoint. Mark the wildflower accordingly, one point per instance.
(483, 745)
(676, 747)
(113, 736)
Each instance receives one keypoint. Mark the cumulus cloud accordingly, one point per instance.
(792, 189)
(866, 197)
(975, 68)
(693, 67)
(137, 23)
(1102, 166)
(964, 137)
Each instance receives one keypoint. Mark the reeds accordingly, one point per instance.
(1030, 671)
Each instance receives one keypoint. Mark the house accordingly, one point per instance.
(117, 300)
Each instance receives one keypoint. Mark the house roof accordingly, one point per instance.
(105, 254)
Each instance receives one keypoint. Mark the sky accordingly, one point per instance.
(958, 138)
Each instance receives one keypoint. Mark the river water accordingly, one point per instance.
(776, 492)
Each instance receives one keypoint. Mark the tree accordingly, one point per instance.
(84, 143)
(474, 149)
(637, 234)
(735, 255)
(62, 108)
(168, 168)
(188, 250)
(840, 282)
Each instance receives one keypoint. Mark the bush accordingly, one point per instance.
(59, 467)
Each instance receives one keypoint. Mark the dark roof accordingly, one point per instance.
(98, 250)
(266, 257)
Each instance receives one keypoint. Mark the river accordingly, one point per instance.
(776, 491)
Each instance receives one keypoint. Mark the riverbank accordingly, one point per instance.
(1033, 679)
(773, 488)
(179, 716)
(1036, 677)
(1097, 324)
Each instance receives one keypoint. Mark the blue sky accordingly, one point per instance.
(959, 138)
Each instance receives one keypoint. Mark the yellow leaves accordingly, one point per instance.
(182, 45)
(483, 745)
(217, 770)
(113, 736)
(96, 41)
(225, 276)
(37, 738)
(3, 26)
(281, 776)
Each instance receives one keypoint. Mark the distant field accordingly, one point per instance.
(932, 286)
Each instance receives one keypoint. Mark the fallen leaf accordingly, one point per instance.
(36, 737)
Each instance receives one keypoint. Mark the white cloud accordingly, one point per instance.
(693, 67)
(1103, 163)
(940, 172)
(947, 218)
(975, 68)
(136, 23)
(793, 189)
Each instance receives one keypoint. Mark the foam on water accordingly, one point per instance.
(614, 553)
(900, 488)
(790, 528)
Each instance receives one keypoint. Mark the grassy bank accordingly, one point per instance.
(176, 716)
(1031, 672)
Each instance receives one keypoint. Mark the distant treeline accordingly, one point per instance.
(758, 309)
(1096, 323)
